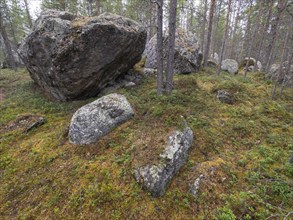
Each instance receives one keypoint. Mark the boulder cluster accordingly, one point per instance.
(72, 57)
(187, 57)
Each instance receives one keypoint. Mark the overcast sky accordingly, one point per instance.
(35, 7)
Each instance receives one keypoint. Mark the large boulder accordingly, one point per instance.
(155, 178)
(251, 63)
(74, 57)
(285, 76)
(230, 66)
(94, 120)
(187, 57)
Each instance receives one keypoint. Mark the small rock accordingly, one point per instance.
(94, 120)
(215, 58)
(149, 72)
(129, 84)
(230, 65)
(212, 63)
(155, 178)
(225, 97)
(40, 121)
(250, 69)
(195, 186)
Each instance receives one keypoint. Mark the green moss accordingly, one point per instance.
(243, 149)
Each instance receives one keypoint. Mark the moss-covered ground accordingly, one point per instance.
(243, 150)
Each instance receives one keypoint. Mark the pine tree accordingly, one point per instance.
(225, 37)
(209, 34)
(171, 45)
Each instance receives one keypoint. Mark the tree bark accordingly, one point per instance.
(214, 45)
(204, 24)
(274, 30)
(28, 14)
(171, 45)
(263, 32)
(280, 71)
(225, 37)
(251, 40)
(160, 47)
(209, 34)
(237, 19)
(98, 7)
(288, 72)
(10, 57)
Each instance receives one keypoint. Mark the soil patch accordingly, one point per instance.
(22, 123)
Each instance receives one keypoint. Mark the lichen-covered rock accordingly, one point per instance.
(225, 97)
(96, 119)
(285, 76)
(250, 69)
(73, 57)
(155, 178)
(194, 188)
(149, 72)
(251, 64)
(230, 65)
(215, 58)
(187, 58)
(212, 63)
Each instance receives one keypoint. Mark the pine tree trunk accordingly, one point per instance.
(214, 45)
(28, 14)
(225, 37)
(280, 71)
(237, 19)
(209, 34)
(251, 40)
(160, 47)
(98, 7)
(204, 25)
(171, 45)
(263, 31)
(288, 71)
(10, 57)
(274, 30)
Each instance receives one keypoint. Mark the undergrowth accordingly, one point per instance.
(242, 149)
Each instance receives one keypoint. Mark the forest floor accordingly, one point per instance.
(242, 149)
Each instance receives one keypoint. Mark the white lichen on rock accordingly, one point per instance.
(96, 119)
(155, 178)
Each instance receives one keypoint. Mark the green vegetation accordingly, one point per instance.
(242, 149)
